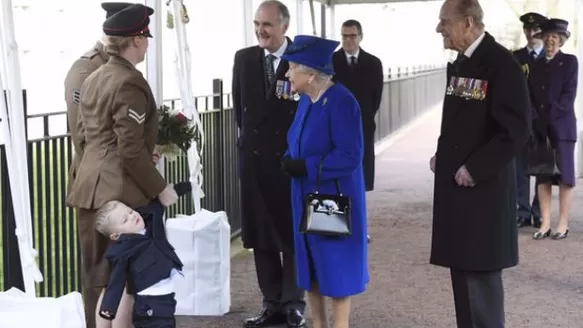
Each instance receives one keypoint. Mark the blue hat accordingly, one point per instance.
(313, 52)
(554, 25)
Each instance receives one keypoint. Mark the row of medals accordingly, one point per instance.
(467, 88)
(283, 90)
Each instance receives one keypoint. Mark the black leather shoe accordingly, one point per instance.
(522, 222)
(295, 319)
(368, 239)
(541, 235)
(560, 235)
(536, 222)
(265, 318)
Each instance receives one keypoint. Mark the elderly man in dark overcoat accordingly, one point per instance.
(264, 108)
(528, 213)
(485, 124)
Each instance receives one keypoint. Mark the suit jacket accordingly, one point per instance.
(120, 120)
(553, 86)
(366, 84)
(147, 259)
(79, 71)
(263, 119)
(485, 124)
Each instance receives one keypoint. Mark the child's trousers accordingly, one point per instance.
(154, 311)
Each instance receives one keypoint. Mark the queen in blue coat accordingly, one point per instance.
(326, 130)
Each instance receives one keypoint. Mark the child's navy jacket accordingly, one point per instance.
(140, 260)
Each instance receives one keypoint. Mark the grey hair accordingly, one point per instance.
(284, 16)
(319, 76)
(473, 9)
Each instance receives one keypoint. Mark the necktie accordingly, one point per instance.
(460, 58)
(269, 68)
(533, 55)
(352, 62)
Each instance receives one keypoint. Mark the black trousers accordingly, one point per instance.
(154, 311)
(526, 209)
(479, 299)
(276, 275)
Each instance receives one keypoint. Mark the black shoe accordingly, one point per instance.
(265, 318)
(560, 235)
(522, 222)
(368, 239)
(541, 235)
(536, 222)
(295, 319)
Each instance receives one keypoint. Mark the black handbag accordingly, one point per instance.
(541, 158)
(324, 214)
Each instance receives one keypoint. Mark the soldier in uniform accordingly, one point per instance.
(264, 108)
(79, 71)
(120, 121)
(474, 208)
(528, 214)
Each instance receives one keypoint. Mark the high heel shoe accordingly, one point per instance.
(540, 235)
(560, 235)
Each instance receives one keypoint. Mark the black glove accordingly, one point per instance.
(182, 188)
(294, 167)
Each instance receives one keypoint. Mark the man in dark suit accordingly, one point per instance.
(362, 73)
(528, 214)
(485, 124)
(264, 110)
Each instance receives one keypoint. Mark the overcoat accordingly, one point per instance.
(474, 228)
(553, 86)
(366, 84)
(263, 119)
(79, 71)
(330, 132)
(120, 121)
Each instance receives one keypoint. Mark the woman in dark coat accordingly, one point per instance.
(553, 81)
(326, 132)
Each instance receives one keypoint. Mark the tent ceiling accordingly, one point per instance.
(346, 2)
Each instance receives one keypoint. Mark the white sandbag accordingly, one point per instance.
(20, 310)
(203, 243)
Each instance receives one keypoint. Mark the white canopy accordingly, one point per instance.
(351, 2)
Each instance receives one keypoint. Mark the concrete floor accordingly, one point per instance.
(545, 290)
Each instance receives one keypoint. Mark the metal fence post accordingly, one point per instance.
(221, 175)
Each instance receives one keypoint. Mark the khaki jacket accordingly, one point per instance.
(79, 71)
(120, 121)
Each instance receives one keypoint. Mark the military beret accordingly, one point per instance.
(132, 20)
(113, 7)
(530, 20)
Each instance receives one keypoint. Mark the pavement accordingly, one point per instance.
(545, 290)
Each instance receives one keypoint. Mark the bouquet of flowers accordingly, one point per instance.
(175, 133)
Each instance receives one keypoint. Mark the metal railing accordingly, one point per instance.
(406, 95)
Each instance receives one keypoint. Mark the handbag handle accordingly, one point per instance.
(318, 180)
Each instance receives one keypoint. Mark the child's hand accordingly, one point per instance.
(106, 315)
(155, 158)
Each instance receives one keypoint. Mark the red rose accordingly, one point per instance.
(180, 117)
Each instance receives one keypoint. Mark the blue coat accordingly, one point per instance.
(553, 86)
(331, 130)
(144, 259)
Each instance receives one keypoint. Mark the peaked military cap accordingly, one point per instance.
(532, 20)
(132, 20)
(113, 7)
